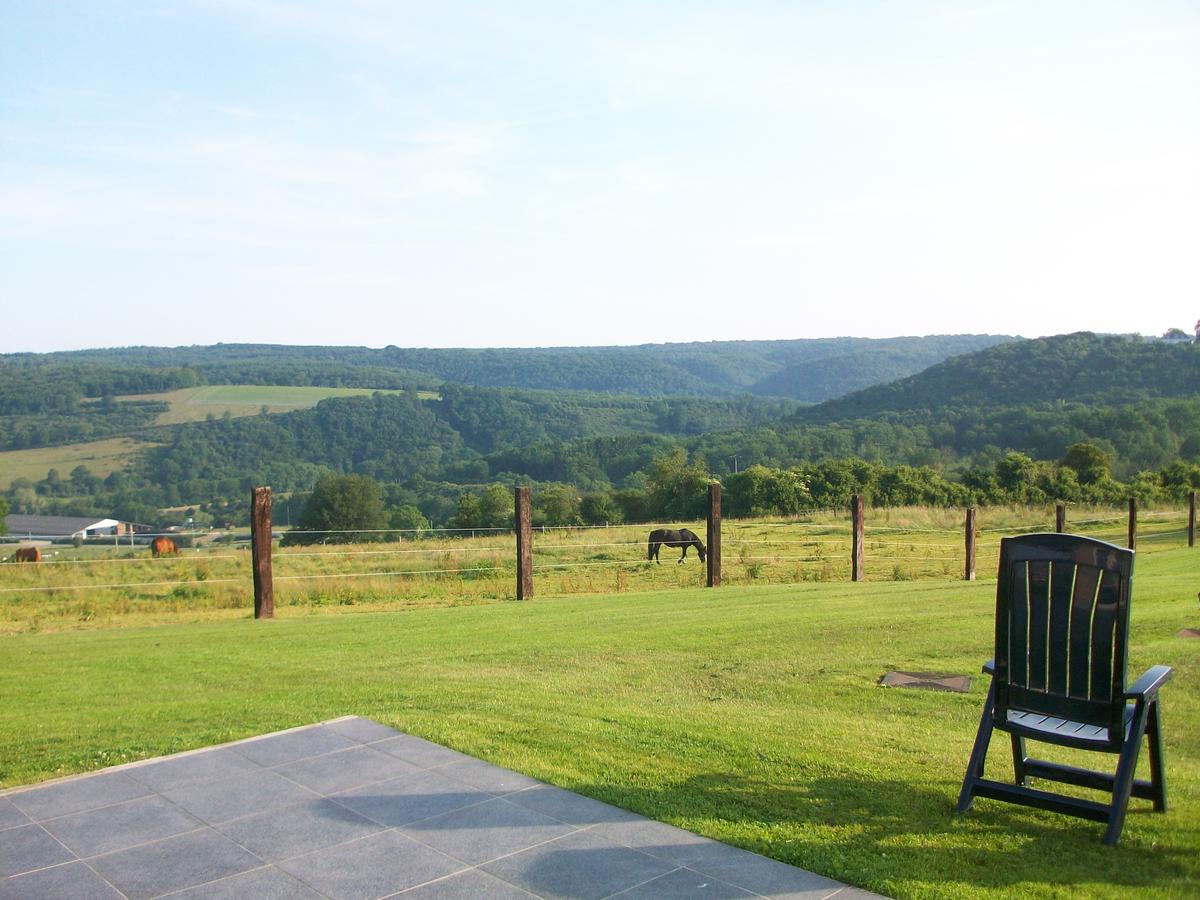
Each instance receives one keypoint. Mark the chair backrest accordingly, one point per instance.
(1062, 626)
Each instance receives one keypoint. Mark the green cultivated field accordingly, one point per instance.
(195, 404)
(750, 714)
(101, 457)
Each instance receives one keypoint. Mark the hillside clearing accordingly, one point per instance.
(198, 403)
(101, 457)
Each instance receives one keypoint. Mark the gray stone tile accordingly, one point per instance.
(765, 876)
(232, 798)
(10, 816)
(345, 769)
(362, 730)
(420, 752)
(268, 883)
(280, 749)
(683, 884)
(488, 777)
(697, 852)
(580, 866)
(569, 807)
(410, 798)
(121, 825)
(29, 847)
(174, 864)
(661, 840)
(293, 830)
(74, 880)
(487, 830)
(194, 768)
(78, 795)
(373, 867)
(469, 885)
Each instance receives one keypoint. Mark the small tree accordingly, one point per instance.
(678, 489)
(467, 513)
(600, 509)
(408, 518)
(3, 515)
(340, 505)
(1091, 464)
(496, 506)
(560, 504)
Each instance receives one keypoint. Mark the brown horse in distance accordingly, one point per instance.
(681, 538)
(163, 546)
(27, 554)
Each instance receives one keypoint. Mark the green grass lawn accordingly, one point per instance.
(750, 714)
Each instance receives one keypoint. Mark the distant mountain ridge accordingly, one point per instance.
(1072, 368)
(809, 370)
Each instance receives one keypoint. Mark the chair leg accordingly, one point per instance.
(978, 753)
(1018, 752)
(1158, 772)
(1123, 780)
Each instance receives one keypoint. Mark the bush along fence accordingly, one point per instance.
(524, 532)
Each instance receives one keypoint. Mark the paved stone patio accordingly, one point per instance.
(353, 809)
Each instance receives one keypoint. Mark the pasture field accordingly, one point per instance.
(197, 403)
(104, 586)
(751, 714)
(186, 405)
(101, 457)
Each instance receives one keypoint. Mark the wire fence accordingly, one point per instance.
(464, 565)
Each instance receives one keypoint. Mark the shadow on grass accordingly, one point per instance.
(893, 837)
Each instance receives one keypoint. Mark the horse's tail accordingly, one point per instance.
(650, 548)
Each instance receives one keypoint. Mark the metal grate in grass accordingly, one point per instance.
(929, 681)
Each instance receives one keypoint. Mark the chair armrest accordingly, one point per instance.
(989, 667)
(1148, 685)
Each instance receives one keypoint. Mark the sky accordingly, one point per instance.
(519, 174)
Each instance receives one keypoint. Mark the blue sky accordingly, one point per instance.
(565, 173)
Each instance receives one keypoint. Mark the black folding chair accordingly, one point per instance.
(1058, 676)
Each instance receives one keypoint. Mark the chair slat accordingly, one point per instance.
(1103, 623)
(1062, 581)
(1087, 579)
(1018, 617)
(1039, 622)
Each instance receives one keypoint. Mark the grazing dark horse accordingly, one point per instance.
(681, 538)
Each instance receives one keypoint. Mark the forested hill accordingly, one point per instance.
(1081, 368)
(806, 370)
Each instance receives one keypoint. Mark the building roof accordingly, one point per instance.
(53, 526)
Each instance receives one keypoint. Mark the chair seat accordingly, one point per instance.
(1056, 729)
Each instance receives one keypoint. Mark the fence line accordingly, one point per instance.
(137, 559)
(384, 574)
(343, 553)
(96, 587)
(878, 542)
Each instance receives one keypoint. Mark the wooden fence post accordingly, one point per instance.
(1060, 518)
(1132, 523)
(260, 548)
(970, 536)
(524, 517)
(1192, 519)
(856, 546)
(714, 534)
